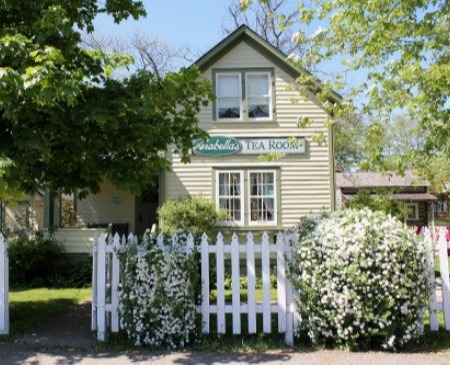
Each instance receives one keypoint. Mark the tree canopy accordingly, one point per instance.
(65, 123)
(401, 48)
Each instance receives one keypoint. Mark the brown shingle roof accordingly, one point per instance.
(375, 180)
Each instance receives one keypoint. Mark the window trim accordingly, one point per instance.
(249, 197)
(241, 197)
(269, 95)
(244, 110)
(241, 96)
(245, 194)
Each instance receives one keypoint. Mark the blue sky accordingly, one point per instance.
(195, 23)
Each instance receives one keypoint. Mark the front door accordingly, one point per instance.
(146, 206)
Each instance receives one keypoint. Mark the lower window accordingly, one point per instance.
(249, 196)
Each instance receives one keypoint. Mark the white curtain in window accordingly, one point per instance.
(257, 85)
(228, 85)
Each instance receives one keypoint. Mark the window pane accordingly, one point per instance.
(258, 85)
(230, 194)
(258, 107)
(262, 197)
(229, 107)
(228, 85)
(68, 214)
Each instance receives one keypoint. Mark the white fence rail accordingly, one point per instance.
(247, 259)
(4, 287)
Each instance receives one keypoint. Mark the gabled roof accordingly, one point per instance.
(245, 34)
(377, 180)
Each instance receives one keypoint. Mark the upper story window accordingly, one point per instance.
(258, 95)
(244, 95)
(229, 96)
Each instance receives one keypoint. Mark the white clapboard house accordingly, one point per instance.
(252, 115)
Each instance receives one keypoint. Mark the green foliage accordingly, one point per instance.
(79, 276)
(401, 51)
(158, 295)
(192, 214)
(381, 201)
(362, 279)
(34, 262)
(51, 87)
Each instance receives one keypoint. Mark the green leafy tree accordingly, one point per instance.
(64, 122)
(401, 46)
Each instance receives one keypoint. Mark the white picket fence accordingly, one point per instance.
(105, 298)
(4, 287)
(440, 295)
(249, 256)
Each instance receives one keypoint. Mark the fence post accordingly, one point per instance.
(235, 284)
(115, 278)
(443, 258)
(434, 322)
(220, 285)
(281, 283)
(205, 283)
(265, 262)
(94, 284)
(101, 287)
(290, 303)
(4, 287)
(251, 283)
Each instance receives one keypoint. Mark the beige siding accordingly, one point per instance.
(304, 179)
(109, 206)
(77, 240)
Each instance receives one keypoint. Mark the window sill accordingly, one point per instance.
(243, 123)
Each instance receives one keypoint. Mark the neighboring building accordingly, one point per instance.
(407, 189)
(252, 115)
(441, 206)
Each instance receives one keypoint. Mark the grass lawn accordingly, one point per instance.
(32, 307)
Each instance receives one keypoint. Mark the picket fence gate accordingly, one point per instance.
(4, 287)
(106, 277)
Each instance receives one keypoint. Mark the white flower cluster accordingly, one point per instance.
(157, 294)
(363, 279)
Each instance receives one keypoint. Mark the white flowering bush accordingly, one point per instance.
(158, 293)
(362, 279)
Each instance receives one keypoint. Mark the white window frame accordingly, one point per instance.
(240, 96)
(241, 197)
(416, 211)
(268, 96)
(275, 197)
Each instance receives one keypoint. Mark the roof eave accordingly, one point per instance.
(243, 33)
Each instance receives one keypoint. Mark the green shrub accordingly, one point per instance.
(192, 214)
(80, 275)
(382, 201)
(362, 279)
(34, 262)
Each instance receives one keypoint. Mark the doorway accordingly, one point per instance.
(146, 206)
